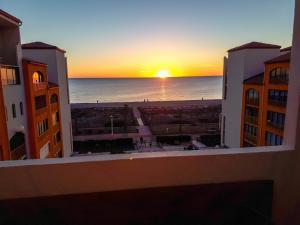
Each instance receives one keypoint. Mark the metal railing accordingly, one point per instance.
(251, 119)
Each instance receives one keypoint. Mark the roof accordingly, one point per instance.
(7, 15)
(34, 61)
(257, 79)
(40, 45)
(288, 49)
(254, 45)
(52, 85)
(280, 59)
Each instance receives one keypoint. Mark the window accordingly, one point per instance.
(55, 118)
(277, 97)
(279, 75)
(273, 139)
(9, 75)
(57, 137)
(250, 132)
(275, 119)
(252, 97)
(40, 102)
(251, 115)
(13, 107)
(38, 77)
(42, 126)
(54, 98)
(21, 108)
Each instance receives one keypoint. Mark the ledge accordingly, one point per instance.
(132, 156)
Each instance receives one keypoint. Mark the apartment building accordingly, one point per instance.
(34, 98)
(43, 111)
(244, 65)
(57, 69)
(264, 103)
(13, 116)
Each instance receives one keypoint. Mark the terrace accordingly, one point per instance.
(196, 187)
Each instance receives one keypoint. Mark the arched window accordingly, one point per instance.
(279, 75)
(54, 98)
(38, 77)
(252, 97)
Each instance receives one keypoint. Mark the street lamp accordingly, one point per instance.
(112, 124)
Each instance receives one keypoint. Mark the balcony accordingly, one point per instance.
(251, 119)
(279, 80)
(231, 185)
(278, 103)
(250, 137)
(18, 153)
(39, 86)
(275, 126)
(10, 75)
(254, 102)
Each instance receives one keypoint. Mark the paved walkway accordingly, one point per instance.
(144, 130)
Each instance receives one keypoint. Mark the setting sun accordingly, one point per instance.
(163, 74)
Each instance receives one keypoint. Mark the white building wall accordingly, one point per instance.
(57, 73)
(240, 66)
(15, 94)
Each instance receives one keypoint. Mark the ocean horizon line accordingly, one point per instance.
(144, 77)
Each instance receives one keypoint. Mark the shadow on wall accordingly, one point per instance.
(245, 203)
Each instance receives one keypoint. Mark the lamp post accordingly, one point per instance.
(112, 124)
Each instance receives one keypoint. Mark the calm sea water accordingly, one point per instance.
(136, 89)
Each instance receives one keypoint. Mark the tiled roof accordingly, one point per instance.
(279, 59)
(51, 85)
(254, 45)
(33, 61)
(288, 49)
(40, 45)
(257, 79)
(7, 15)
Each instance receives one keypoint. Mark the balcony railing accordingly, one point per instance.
(279, 80)
(10, 75)
(39, 86)
(251, 119)
(250, 137)
(18, 153)
(275, 125)
(279, 103)
(252, 101)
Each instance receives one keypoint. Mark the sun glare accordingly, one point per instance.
(163, 74)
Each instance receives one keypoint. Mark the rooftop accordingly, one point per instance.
(257, 79)
(40, 45)
(32, 61)
(11, 17)
(52, 85)
(255, 45)
(280, 59)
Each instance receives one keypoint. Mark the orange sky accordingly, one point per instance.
(142, 60)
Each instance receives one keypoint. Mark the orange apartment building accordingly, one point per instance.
(264, 103)
(43, 111)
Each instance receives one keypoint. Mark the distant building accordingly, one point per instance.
(57, 69)
(43, 112)
(244, 105)
(32, 93)
(242, 62)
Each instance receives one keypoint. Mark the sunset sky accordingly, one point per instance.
(143, 38)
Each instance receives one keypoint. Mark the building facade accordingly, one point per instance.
(31, 100)
(57, 68)
(264, 104)
(243, 63)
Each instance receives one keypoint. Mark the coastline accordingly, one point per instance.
(178, 103)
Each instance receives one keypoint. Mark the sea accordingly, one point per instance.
(91, 90)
